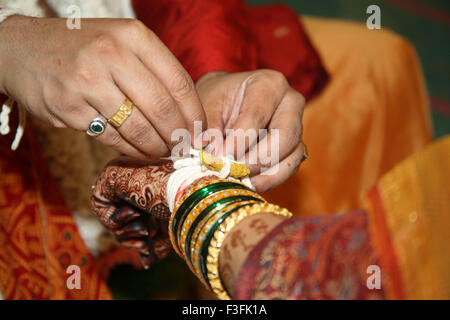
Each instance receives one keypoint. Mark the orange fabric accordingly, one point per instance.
(372, 114)
(38, 236)
(409, 210)
(382, 243)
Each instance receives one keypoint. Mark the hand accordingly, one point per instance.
(256, 100)
(128, 197)
(67, 77)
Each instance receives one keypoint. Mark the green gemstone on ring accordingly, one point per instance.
(96, 128)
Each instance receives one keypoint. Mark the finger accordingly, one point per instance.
(139, 244)
(135, 131)
(79, 116)
(112, 216)
(280, 173)
(165, 66)
(151, 98)
(135, 229)
(284, 133)
(262, 96)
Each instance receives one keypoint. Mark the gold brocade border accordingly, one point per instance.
(414, 202)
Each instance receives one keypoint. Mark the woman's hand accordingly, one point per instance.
(67, 77)
(251, 101)
(129, 198)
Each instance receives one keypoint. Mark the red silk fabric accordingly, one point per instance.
(209, 35)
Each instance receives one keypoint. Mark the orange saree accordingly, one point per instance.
(373, 113)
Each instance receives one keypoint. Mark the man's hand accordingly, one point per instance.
(67, 77)
(256, 100)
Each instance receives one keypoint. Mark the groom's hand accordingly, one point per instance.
(252, 101)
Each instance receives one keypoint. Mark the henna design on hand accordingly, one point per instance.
(129, 198)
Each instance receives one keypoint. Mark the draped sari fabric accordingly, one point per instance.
(409, 210)
(403, 233)
(373, 113)
(39, 239)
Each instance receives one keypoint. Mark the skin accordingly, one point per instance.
(255, 100)
(240, 241)
(67, 77)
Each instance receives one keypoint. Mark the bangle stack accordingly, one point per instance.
(202, 218)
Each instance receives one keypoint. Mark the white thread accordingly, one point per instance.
(20, 129)
(4, 116)
(188, 170)
(4, 122)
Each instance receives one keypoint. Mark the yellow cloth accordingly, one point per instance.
(373, 114)
(409, 210)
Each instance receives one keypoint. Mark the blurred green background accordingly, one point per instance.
(425, 23)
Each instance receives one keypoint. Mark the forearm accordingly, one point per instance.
(239, 243)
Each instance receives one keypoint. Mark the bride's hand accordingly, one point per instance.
(129, 197)
(68, 77)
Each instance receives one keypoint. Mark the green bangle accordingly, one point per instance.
(214, 197)
(197, 196)
(225, 203)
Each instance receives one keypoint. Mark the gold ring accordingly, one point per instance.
(122, 114)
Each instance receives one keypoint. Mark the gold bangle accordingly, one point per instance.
(202, 229)
(122, 114)
(212, 260)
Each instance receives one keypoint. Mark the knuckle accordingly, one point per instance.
(163, 107)
(273, 77)
(112, 139)
(105, 44)
(139, 132)
(182, 85)
(134, 27)
(85, 73)
(298, 99)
